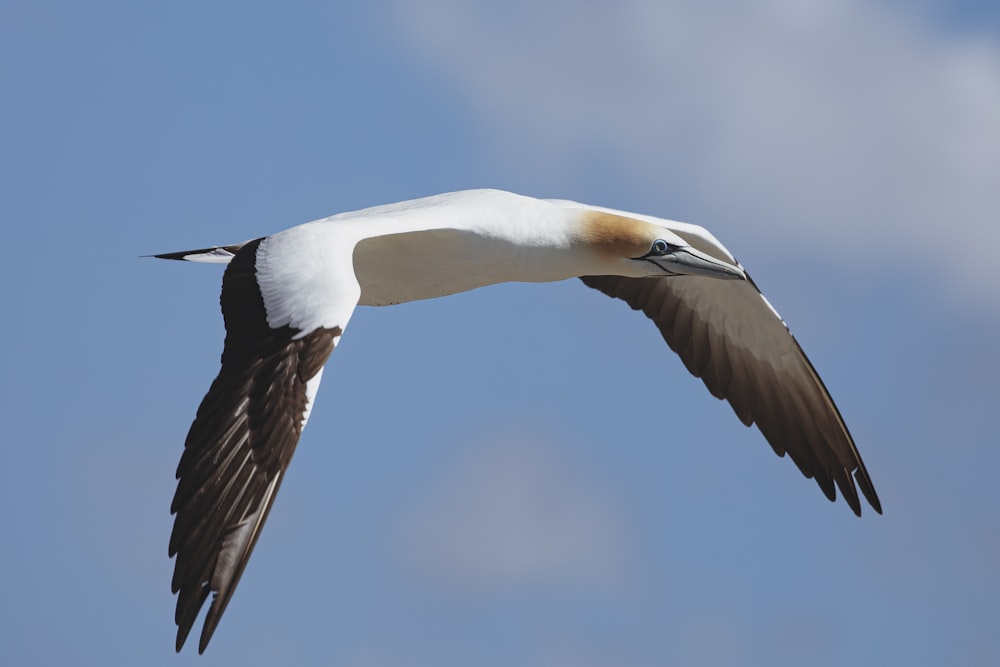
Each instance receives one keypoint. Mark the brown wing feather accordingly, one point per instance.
(238, 447)
(726, 334)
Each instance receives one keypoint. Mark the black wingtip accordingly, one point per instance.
(206, 635)
(868, 489)
(856, 508)
(220, 600)
(850, 494)
(182, 634)
(203, 643)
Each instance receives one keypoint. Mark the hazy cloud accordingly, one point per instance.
(855, 124)
(517, 512)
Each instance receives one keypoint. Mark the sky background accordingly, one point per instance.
(522, 475)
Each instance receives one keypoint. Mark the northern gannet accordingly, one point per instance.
(287, 298)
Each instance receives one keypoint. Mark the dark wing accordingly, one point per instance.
(239, 446)
(728, 335)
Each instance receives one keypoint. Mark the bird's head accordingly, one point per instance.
(637, 248)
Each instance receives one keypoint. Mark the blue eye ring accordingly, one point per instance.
(660, 247)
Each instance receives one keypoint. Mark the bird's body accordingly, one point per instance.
(287, 298)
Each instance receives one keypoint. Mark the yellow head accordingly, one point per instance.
(642, 249)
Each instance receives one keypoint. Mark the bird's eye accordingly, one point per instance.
(660, 247)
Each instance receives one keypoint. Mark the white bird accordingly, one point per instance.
(287, 298)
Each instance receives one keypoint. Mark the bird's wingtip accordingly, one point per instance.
(868, 489)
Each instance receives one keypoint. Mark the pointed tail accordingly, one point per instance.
(215, 255)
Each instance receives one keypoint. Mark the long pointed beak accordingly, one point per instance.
(687, 261)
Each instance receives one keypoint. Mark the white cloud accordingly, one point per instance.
(517, 513)
(810, 120)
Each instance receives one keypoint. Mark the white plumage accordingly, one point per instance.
(287, 299)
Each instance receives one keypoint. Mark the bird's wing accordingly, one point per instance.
(727, 334)
(240, 444)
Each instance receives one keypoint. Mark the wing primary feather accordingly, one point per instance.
(729, 336)
(238, 545)
(238, 448)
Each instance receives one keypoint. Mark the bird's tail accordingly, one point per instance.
(215, 255)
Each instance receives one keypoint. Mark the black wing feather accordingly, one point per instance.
(727, 335)
(238, 447)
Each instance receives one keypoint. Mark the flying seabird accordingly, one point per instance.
(287, 298)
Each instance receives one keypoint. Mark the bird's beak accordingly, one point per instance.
(686, 261)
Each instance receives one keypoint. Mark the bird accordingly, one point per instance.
(287, 299)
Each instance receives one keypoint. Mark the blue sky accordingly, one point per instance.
(523, 474)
